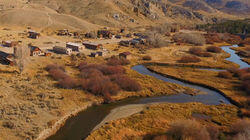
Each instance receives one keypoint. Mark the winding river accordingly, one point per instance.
(80, 126)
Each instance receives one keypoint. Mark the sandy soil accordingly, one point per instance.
(121, 112)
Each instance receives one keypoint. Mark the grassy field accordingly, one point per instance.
(230, 87)
(155, 120)
(35, 90)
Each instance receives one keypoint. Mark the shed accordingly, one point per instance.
(99, 53)
(9, 43)
(7, 59)
(62, 50)
(33, 34)
(74, 46)
(93, 46)
(126, 55)
(104, 34)
(93, 54)
(35, 51)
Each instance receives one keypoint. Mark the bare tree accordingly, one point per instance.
(21, 54)
(156, 40)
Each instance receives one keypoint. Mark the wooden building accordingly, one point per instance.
(33, 34)
(35, 51)
(6, 59)
(92, 46)
(62, 50)
(104, 34)
(9, 43)
(126, 55)
(74, 46)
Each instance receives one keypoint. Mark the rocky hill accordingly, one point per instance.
(91, 14)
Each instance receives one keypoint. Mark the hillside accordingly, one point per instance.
(90, 14)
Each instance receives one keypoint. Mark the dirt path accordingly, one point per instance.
(121, 112)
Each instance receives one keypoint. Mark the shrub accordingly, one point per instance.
(57, 74)
(225, 74)
(191, 38)
(213, 132)
(155, 39)
(110, 70)
(54, 66)
(241, 130)
(188, 129)
(245, 77)
(82, 65)
(105, 69)
(100, 86)
(114, 61)
(205, 54)
(161, 137)
(88, 73)
(126, 83)
(214, 49)
(246, 86)
(242, 72)
(68, 82)
(147, 58)
(189, 59)
(199, 52)
(195, 50)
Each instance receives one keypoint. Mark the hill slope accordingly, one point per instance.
(91, 14)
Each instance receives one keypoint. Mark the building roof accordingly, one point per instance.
(33, 32)
(73, 44)
(90, 43)
(125, 53)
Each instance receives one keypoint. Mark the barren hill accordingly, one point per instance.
(91, 14)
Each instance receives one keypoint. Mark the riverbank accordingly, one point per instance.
(206, 78)
(156, 118)
(131, 74)
(59, 123)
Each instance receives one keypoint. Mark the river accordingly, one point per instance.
(81, 125)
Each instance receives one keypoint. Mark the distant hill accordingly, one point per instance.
(92, 14)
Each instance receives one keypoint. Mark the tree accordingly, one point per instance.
(21, 54)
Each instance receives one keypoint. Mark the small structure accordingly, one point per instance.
(9, 43)
(99, 53)
(64, 32)
(125, 43)
(35, 51)
(7, 59)
(93, 54)
(62, 50)
(104, 34)
(33, 34)
(92, 46)
(126, 55)
(74, 46)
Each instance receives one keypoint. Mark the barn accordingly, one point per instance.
(92, 46)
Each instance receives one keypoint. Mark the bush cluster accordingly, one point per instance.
(244, 76)
(147, 58)
(225, 74)
(241, 130)
(189, 59)
(214, 49)
(125, 83)
(114, 61)
(58, 73)
(191, 38)
(98, 79)
(199, 52)
(106, 80)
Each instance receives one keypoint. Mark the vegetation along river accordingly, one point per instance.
(80, 126)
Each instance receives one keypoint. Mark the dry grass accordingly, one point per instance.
(156, 120)
(231, 87)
